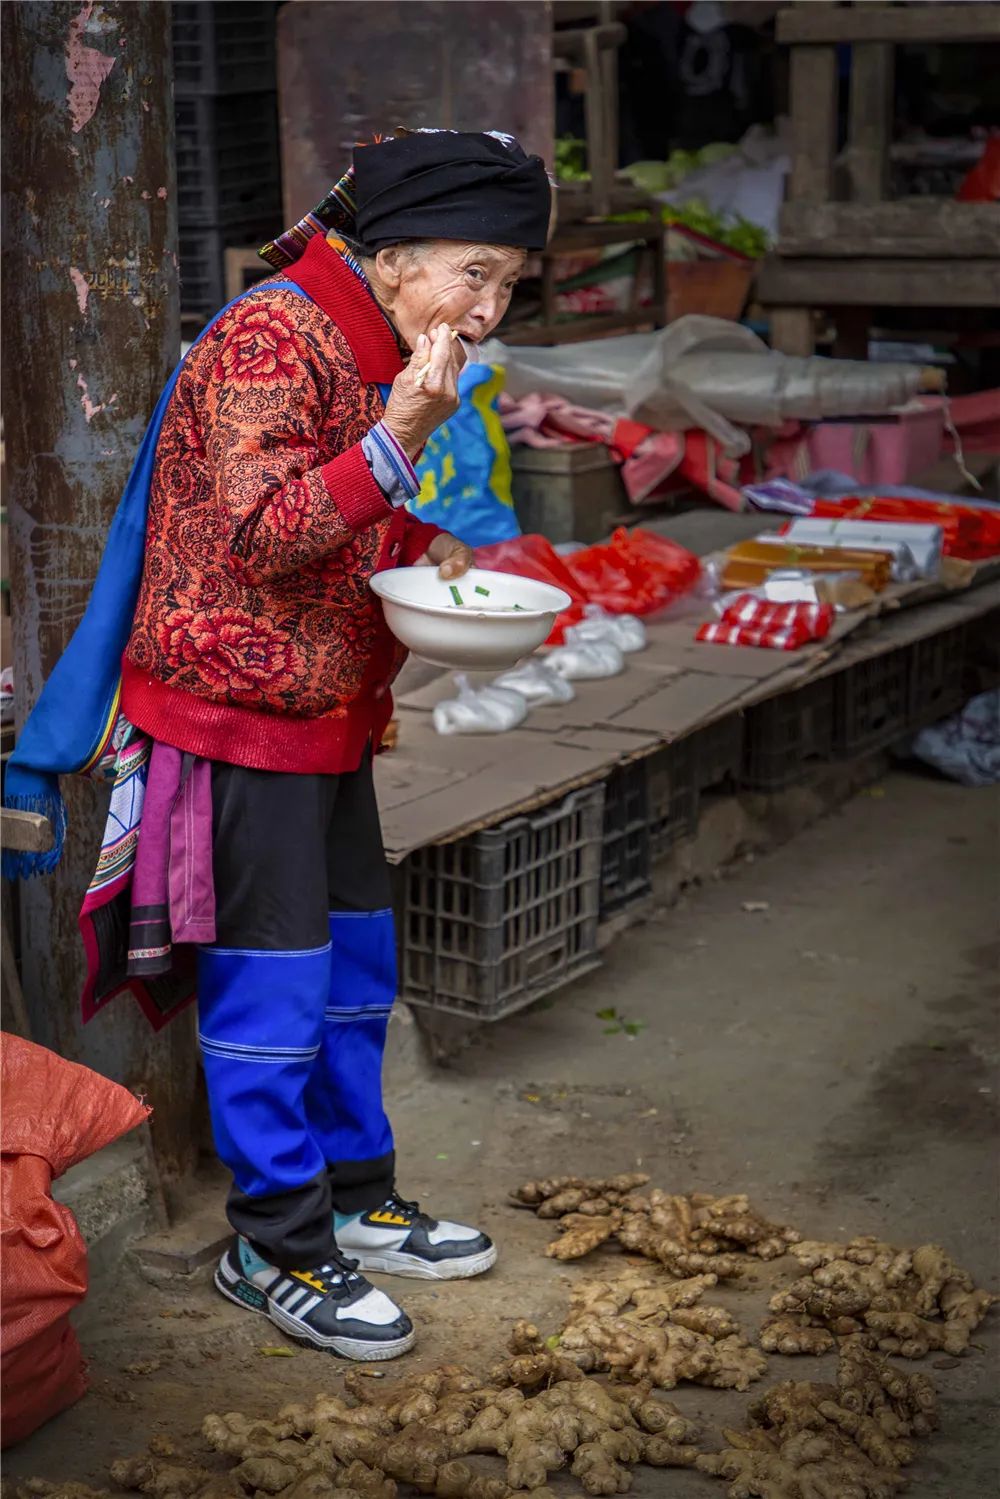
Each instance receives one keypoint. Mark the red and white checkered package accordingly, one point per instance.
(748, 620)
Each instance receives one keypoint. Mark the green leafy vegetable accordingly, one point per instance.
(740, 235)
(456, 597)
(483, 592)
(571, 159)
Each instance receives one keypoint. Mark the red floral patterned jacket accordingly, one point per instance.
(256, 639)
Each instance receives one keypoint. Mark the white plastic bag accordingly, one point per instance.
(587, 661)
(625, 631)
(488, 710)
(537, 683)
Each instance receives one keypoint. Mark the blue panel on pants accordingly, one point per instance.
(261, 1030)
(344, 1098)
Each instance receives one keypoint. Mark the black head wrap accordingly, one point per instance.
(430, 184)
(451, 185)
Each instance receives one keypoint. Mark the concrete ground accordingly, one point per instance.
(833, 1054)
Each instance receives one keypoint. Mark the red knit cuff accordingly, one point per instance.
(416, 539)
(350, 485)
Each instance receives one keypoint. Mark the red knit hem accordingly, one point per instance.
(417, 538)
(352, 489)
(242, 736)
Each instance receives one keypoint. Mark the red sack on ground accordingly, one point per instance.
(55, 1113)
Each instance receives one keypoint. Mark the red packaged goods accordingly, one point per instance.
(55, 1113)
(970, 531)
(748, 620)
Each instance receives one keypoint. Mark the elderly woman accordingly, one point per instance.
(282, 470)
(270, 487)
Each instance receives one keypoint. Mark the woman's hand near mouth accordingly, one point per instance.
(414, 411)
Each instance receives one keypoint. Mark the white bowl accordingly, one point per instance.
(483, 633)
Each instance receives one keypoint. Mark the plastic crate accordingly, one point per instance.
(202, 264)
(625, 862)
(786, 737)
(871, 703)
(493, 922)
(224, 48)
(937, 669)
(674, 796)
(228, 160)
(717, 751)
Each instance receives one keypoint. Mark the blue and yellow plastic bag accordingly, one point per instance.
(465, 468)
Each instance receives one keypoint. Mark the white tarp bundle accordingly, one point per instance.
(704, 372)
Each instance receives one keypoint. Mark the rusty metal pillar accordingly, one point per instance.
(91, 331)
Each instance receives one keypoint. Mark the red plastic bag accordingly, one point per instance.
(531, 557)
(636, 572)
(55, 1113)
(982, 184)
(535, 557)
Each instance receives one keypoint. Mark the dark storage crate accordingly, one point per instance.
(625, 848)
(228, 160)
(202, 268)
(674, 796)
(491, 923)
(717, 751)
(788, 736)
(937, 668)
(224, 48)
(871, 703)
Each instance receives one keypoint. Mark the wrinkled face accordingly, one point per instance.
(443, 281)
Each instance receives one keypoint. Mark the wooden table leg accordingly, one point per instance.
(15, 1014)
(793, 330)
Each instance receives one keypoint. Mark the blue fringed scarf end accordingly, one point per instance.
(45, 800)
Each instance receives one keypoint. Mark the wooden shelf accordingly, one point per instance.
(863, 281)
(908, 229)
(902, 24)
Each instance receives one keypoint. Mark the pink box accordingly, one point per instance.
(882, 450)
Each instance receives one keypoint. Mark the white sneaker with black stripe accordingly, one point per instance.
(329, 1306)
(398, 1239)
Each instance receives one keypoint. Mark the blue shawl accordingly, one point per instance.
(70, 727)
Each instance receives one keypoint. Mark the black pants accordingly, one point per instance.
(294, 1000)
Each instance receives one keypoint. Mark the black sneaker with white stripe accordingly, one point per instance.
(330, 1306)
(398, 1239)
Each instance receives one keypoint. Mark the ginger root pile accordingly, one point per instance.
(645, 1326)
(851, 1440)
(690, 1234)
(537, 1411)
(901, 1301)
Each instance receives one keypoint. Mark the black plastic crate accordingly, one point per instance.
(871, 703)
(717, 751)
(493, 922)
(228, 160)
(202, 263)
(625, 860)
(674, 796)
(224, 48)
(788, 736)
(937, 669)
